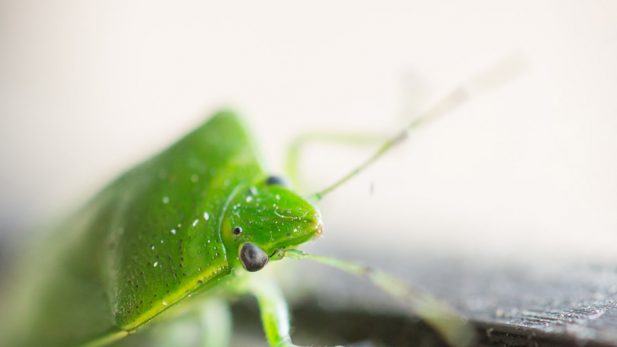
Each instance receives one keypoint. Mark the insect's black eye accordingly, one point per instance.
(237, 230)
(253, 258)
(276, 181)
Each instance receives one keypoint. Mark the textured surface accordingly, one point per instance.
(511, 304)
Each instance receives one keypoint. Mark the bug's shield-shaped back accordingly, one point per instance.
(139, 246)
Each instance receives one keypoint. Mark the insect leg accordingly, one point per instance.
(292, 159)
(207, 323)
(454, 328)
(274, 313)
(216, 323)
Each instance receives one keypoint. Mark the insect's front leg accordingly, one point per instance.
(274, 312)
(292, 159)
(456, 330)
(209, 324)
(216, 323)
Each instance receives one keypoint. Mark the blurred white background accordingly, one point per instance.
(87, 88)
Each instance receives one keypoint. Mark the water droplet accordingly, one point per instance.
(164, 303)
(156, 263)
(295, 230)
(152, 247)
(208, 240)
(166, 200)
(173, 231)
(162, 241)
(206, 216)
(249, 198)
(277, 197)
(195, 222)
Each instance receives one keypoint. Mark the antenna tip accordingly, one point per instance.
(511, 66)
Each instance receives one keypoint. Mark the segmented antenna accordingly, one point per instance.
(493, 77)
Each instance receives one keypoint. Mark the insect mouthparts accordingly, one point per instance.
(319, 229)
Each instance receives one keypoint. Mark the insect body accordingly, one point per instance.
(179, 223)
(197, 217)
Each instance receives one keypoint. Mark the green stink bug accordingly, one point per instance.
(198, 217)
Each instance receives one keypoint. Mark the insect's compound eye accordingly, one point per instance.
(276, 181)
(237, 230)
(253, 258)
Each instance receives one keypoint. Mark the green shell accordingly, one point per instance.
(153, 236)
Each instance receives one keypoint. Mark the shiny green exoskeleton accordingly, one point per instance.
(176, 224)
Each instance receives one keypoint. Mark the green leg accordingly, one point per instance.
(209, 325)
(274, 313)
(216, 322)
(294, 152)
(453, 327)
